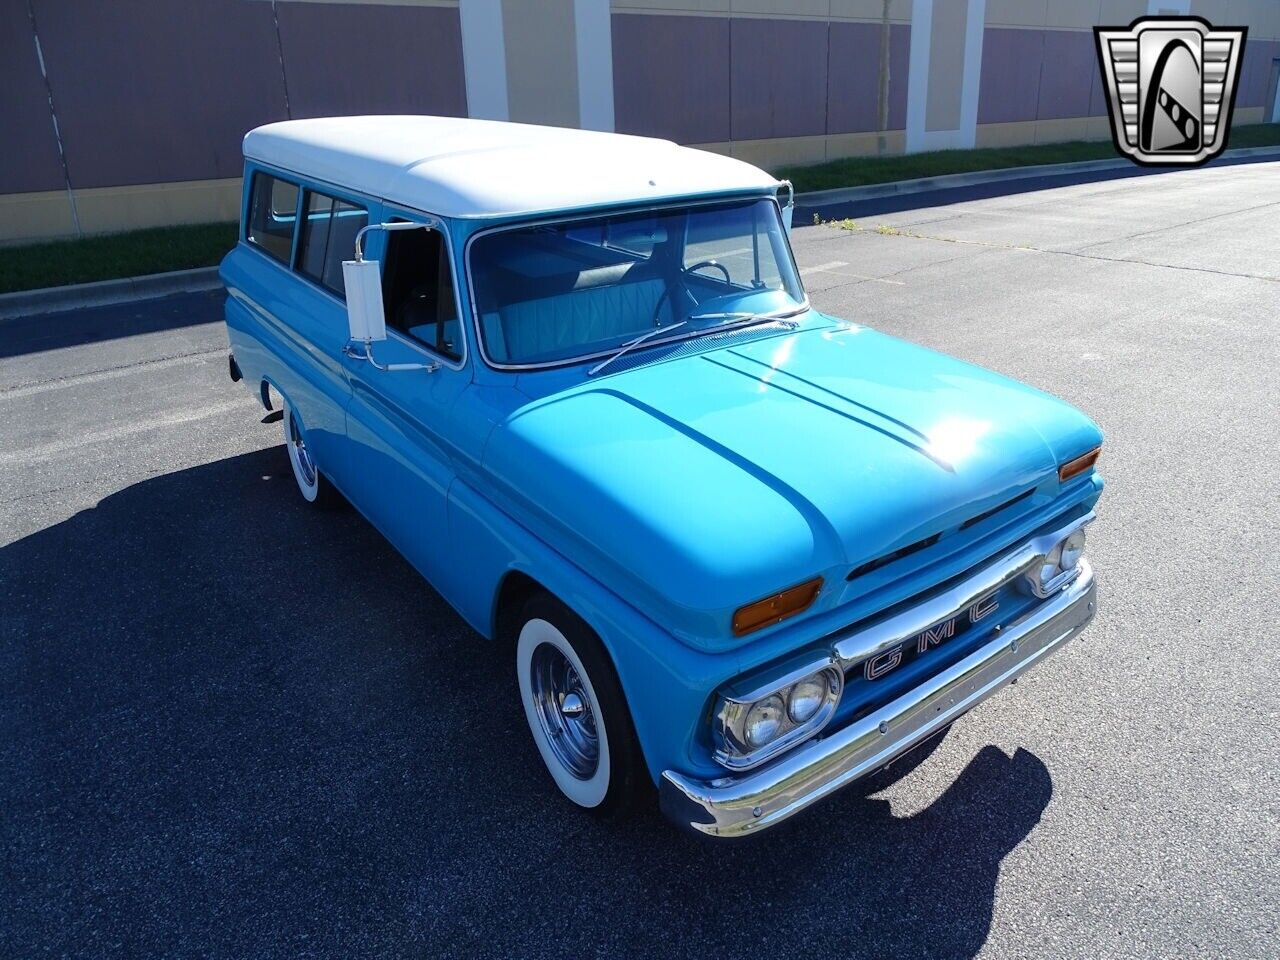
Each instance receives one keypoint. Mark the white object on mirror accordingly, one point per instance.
(366, 320)
(363, 281)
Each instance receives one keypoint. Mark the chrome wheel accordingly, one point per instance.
(299, 451)
(563, 707)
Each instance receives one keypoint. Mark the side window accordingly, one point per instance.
(329, 229)
(417, 290)
(273, 210)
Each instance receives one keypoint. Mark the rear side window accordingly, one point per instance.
(273, 211)
(329, 228)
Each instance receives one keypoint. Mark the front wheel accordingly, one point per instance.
(576, 711)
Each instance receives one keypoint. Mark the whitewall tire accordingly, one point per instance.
(564, 713)
(312, 484)
(575, 709)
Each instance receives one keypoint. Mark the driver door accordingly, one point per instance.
(399, 426)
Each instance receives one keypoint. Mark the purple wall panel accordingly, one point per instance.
(853, 83)
(671, 76)
(28, 148)
(1255, 72)
(360, 58)
(779, 72)
(1066, 80)
(1098, 90)
(154, 91)
(1010, 87)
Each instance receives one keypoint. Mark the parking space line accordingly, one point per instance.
(834, 267)
(30, 389)
(47, 451)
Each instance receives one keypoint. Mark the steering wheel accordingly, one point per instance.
(657, 307)
(708, 263)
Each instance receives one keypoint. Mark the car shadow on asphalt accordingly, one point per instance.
(81, 325)
(233, 725)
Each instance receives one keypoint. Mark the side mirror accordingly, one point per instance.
(790, 207)
(363, 280)
(365, 317)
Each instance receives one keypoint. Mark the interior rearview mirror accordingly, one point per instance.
(363, 280)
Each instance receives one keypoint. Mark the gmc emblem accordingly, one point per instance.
(882, 663)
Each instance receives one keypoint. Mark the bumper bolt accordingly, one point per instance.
(884, 727)
(756, 811)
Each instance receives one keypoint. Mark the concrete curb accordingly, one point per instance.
(74, 296)
(876, 191)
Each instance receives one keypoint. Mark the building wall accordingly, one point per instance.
(770, 81)
(118, 116)
(152, 97)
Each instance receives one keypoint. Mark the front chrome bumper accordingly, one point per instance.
(734, 806)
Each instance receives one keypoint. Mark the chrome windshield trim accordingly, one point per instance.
(640, 206)
(864, 642)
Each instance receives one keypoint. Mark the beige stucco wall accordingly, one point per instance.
(542, 61)
(1063, 14)
(857, 10)
(946, 64)
(796, 151)
(43, 216)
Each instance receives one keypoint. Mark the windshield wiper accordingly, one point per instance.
(742, 315)
(626, 347)
(731, 315)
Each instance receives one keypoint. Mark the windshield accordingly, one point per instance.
(564, 291)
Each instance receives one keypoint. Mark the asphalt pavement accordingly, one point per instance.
(232, 726)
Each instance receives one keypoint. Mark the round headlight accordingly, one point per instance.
(1049, 569)
(1073, 550)
(806, 698)
(764, 721)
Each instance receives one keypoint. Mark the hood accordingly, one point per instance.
(701, 483)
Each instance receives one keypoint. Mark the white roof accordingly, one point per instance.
(486, 168)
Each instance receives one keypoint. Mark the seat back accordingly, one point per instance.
(587, 315)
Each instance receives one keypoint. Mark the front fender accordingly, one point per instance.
(667, 684)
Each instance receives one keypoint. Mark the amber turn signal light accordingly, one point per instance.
(1073, 468)
(770, 610)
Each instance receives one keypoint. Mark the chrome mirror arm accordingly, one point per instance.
(367, 356)
(394, 225)
(789, 209)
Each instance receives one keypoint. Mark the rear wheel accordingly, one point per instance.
(312, 484)
(576, 711)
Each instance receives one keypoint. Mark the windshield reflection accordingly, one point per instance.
(556, 293)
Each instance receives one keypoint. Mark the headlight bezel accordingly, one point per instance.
(1054, 570)
(733, 704)
(1074, 543)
